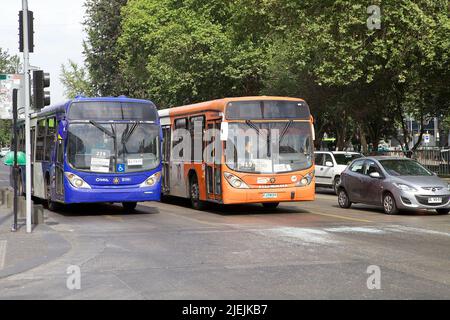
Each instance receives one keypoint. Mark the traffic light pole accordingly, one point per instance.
(26, 73)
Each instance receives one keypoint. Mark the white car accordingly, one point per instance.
(4, 151)
(329, 166)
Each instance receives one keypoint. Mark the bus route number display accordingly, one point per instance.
(100, 160)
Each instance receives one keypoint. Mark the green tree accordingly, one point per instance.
(76, 80)
(363, 72)
(102, 25)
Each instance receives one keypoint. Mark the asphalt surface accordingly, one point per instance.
(311, 250)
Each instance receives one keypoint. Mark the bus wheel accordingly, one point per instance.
(51, 205)
(129, 206)
(270, 205)
(194, 191)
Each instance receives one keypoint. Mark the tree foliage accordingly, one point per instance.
(361, 84)
(76, 80)
(102, 25)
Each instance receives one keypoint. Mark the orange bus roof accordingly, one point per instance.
(219, 104)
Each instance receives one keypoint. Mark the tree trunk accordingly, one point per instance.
(362, 139)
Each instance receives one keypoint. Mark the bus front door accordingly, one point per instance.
(213, 167)
(59, 170)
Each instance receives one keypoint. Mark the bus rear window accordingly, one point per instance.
(106, 110)
(268, 109)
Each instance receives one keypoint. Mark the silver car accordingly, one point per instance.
(394, 183)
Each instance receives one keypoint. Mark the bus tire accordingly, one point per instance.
(49, 204)
(129, 206)
(194, 193)
(270, 205)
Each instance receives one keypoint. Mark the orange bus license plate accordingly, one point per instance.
(270, 195)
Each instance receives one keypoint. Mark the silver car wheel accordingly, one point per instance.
(342, 198)
(388, 204)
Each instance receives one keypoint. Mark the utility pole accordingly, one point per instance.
(26, 92)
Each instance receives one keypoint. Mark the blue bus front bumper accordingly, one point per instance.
(112, 194)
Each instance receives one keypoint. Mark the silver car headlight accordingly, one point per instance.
(235, 181)
(306, 180)
(448, 187)
(76, 181)
(151, 181)
(404, 187)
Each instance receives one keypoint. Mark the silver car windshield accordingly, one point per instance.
(404, 168)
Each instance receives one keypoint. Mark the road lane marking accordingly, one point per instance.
(307, 235)
(2, 253)
(342, 217)
(399, 228)
(345, 229)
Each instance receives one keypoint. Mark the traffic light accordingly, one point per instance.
(30, 31)
(41, 98)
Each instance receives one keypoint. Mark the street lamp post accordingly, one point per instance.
(26, 66)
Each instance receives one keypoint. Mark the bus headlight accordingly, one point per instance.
(152, 180)
(76, 181)
(306, 180)
(235, 181)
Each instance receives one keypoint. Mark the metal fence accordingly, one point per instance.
(436, 160)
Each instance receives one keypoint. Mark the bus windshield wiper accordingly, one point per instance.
(127, 136)
(102, 128)
(285, 129)
(252, 125)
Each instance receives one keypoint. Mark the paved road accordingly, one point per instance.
(299, 251)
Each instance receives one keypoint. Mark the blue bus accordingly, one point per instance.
(86, 150)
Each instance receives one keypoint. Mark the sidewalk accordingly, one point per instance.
(21, 251)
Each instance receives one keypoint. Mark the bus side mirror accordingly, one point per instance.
(223, 131)
(62, 129)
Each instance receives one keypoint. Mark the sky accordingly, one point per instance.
(58, 35)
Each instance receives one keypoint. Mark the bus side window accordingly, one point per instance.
(60, 151)
(50, 138)
(197, 124)
(179, 124)
(33, 136)
(40, 140)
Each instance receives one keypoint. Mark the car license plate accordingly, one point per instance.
(270, 195)
(435, 200)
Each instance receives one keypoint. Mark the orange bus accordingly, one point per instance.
(239, 150)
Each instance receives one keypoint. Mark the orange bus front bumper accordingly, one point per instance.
(232, 195)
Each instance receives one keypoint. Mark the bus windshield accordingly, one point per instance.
(267, 109)
(112, 110)
(113, 147)
(251, 146)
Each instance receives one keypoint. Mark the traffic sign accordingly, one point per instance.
(8, 82)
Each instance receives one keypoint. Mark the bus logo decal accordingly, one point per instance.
(116, 180)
